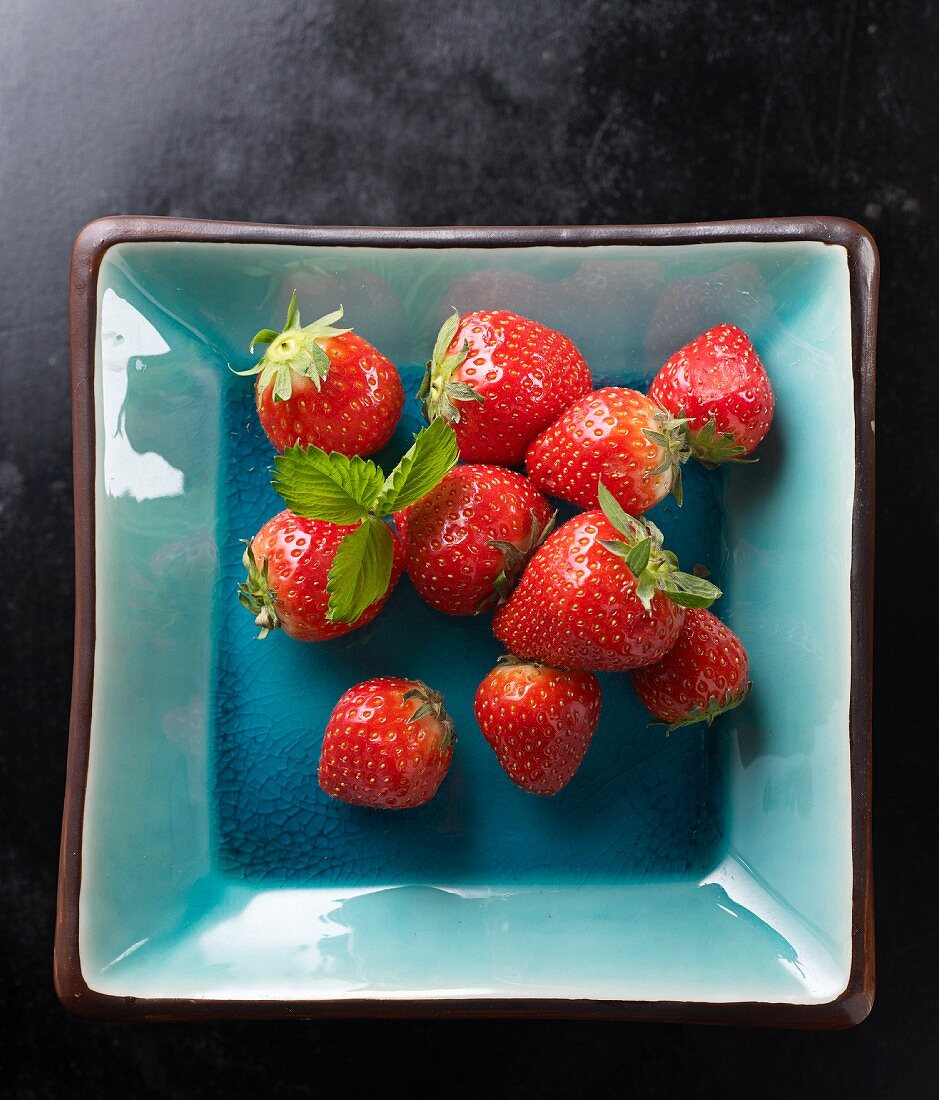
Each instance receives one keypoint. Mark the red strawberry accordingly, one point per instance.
(501, 379)
(288, 563)
(601, 593)
(704, 674)
(718, 383)
(324, 386)
(616, 434)
(539, 721)
(388, 745)
(467, 540)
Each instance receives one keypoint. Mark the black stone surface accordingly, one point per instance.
(434, 112)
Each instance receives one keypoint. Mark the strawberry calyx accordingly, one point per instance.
(295, 350)
(672, 436)
(509, 660)
(431, 704)
(514, 560)
(439, 394)
(714, 709)
(711, 447)
(655, 568)
(256, 594)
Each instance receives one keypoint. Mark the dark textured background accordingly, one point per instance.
(430, 113)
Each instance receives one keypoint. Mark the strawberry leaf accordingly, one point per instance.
(325, 486)
(432, 455)
(360, 571)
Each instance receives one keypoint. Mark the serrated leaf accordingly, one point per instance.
(638, 557)
(360, 571)
(325, 486)
(433, 454)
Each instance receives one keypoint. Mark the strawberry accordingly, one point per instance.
(288, 563)
(719, 384)
(330, 561)
(468, 539)
(704, 674)
(539, 721)
(615, 433)
(388, 745)
(500, 379)
(324, 386)
(600, 593)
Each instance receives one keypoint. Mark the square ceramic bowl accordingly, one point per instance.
(718, 875)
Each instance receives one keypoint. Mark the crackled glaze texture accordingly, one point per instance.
(711, 865)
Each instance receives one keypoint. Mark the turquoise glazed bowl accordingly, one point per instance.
(719, 875)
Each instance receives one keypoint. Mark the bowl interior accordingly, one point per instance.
(709, 865)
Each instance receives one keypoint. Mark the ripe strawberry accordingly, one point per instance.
(467, 540)
(704, 674)
(288, 563)
(325, 386)
(539, 721)
(500, 379)
(601, 593)
(718, 383)
(616, 434)
(388, 745)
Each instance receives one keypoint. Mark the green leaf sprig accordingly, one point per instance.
(296, 349)
(655, 568)
(346, 490)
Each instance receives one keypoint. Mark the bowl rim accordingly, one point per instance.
(92, 243)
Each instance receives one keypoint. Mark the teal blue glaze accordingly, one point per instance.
(709, 865)
(640, 803)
